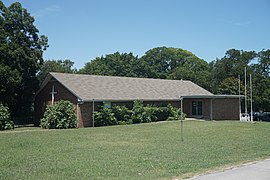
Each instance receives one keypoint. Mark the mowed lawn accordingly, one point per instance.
(144, 151)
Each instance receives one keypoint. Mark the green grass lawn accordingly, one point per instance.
(144, 151)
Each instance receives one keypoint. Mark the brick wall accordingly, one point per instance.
(226, 109)
(187, 108)
(222, 109)
(44, 98)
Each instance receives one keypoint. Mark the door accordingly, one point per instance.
(197, 108)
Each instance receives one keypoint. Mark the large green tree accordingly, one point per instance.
(261, 81)
(231, 65)
(162, 61)
(63, 66)
(21, 50)
(116, 64)
(175, 63)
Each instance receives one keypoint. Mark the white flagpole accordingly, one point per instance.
(251, 108)
(239, 91)
(245, 91)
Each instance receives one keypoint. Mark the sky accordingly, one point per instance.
(82, 30)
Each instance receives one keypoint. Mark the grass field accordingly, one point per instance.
(144, 151)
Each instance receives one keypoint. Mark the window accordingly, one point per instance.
(107, 104)
(196, 108)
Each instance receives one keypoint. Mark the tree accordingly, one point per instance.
(195, 70)
(112, 65)
(63, 66)
(231, 65)
(175, 63)
(264, 63)
(230, 86)
(21, 50)
(162, 61)
(261, 81)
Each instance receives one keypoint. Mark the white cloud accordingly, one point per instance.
(243, 24)
(47, 11)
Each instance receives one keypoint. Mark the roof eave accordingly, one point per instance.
(212, 97)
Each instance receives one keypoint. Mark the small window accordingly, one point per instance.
(107, 104)
(197, 108)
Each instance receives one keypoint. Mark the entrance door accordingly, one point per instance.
(197, 108)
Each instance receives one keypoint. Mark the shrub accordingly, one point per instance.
(104, 117)
(137, 112)
(60, 115)
(162, 113)
(174, 113)
(149, 114)
(122, 114)
(5, 122)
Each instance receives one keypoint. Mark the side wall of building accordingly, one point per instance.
(187, 108)
(222, 109)
(226, 109)
(44, 98)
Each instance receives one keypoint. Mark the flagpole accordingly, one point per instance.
(239, 91)
(251, 108)
(245, 91)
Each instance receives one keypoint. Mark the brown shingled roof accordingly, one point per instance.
(89, 87)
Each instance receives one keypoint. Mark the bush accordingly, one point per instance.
(174, 113)
(149, 114)
(137, 112)
(104, 117)
(162, 113)
(60, 115)
(122, 114)
(5, 122)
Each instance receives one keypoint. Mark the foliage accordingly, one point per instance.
(122, 114)
(175, 113)
(104, 117)
(261, 93)
(230, 66)
(5, 122)
(63, 66)
(230, 86)
(137, 112)
(112, 65)
(60, 115)
(149, 114)
(162, 113)
(160, 62)
(21, 50)
(153, 151)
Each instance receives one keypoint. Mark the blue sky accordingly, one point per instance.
(82, 30)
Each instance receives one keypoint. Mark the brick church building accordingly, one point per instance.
(87, 92)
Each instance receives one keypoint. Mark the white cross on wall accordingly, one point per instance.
(53, 93)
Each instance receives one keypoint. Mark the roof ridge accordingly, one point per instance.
(124, 77)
